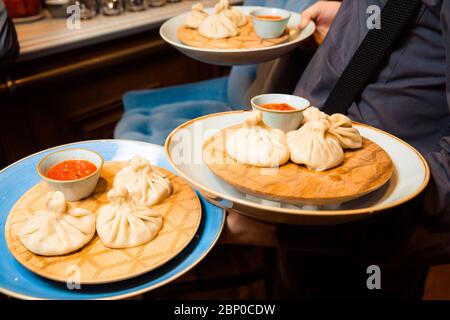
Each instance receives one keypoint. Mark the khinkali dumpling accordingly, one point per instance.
(238, 18)
(341, 127)
(145, 184)
(313, 113)
(197, 15)
(313, 146)
(218, 26)
(124, 223)
(58, 229)
(258, 145)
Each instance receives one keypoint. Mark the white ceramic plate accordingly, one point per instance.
(234, 57)
(184, 152)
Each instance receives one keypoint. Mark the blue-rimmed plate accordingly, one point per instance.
(17, 281)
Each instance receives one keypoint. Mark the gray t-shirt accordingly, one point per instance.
(410, 97)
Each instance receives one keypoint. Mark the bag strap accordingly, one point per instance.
(395, 16)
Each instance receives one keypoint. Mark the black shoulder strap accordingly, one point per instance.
(395, 15)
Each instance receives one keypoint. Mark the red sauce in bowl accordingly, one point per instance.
(71, 170)
(269, 17)
(278, 106)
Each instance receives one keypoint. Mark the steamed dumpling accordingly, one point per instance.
(218, 26)
(145, 184)
(313, 113)
(196, 17)
(125, 224)
(235, 15)
(58, 229)
(256, 144)
(341, 127)
(313, 146)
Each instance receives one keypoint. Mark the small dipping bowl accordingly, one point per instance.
(73, 190)
(269, 28)
(285, 120)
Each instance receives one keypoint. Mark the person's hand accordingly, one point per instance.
(323, 14)
(239, 229)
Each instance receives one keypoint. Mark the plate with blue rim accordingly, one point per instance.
(19, 282)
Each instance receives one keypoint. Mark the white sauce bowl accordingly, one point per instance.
(268, 28)
(284, 120)
(73, 190)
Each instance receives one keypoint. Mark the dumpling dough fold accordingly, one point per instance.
(220, 24)
(125, 224)
(341, 127)
(196, 17)
(145, 184)
(258, 145)
(313, 146)
(235, 15)
(313, 113)
(58, 229)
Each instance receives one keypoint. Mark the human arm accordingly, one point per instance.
(240, 229)
(389, 237)
(323, 14)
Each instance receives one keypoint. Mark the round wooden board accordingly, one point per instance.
(98, 264)
(246, 39)
(363, 171)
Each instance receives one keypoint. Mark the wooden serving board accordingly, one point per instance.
(246, 39)
(363, 171)
(95, 262)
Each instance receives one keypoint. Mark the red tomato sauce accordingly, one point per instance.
(278, 106)
(71, 170)
(269, 17)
